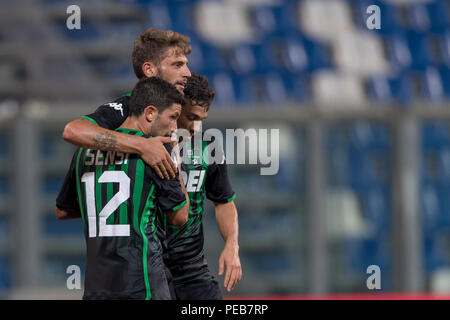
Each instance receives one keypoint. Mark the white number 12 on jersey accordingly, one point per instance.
(106, 230)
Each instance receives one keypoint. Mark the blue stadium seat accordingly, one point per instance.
(391, 21)
(435, 253)
(294, 57)
(52, 184)
(249, 89)
(363, 252)
(433, 85)
(376, 207)
(247, 59)
(4, 185)
(159, 16)
(443, 220)
(5, 273)
(369, 168)
(224, 87)
(418, 17)
(275, 20)
(298, 88)
(369, 136)
(54, 227)
(435, 134)
(275, 89)
(272, 87)
(430, 206)
(319, 55)
(398, 51)
(182, 15)
(420, 46)
(444, 165)
(430, 165)
(445, 78)
(439, 15)
(242, 59)
(402, 89)
(89, 32)
(206, 58)
(410, 50)
(390, 90)
(443, 42)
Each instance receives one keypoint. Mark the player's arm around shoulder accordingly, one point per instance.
(95, 131)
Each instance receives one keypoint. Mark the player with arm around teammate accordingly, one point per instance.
(120, 198)
(156, 53)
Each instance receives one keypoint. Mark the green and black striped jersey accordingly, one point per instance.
(184, 253)
(183, 248)
(120, 199)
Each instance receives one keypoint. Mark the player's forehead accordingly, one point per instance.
(174, 108)
(174, 54)
(192, 108)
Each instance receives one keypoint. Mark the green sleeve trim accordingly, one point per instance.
(231, 198)
(90, 119)
(130, 131)
(180, 205)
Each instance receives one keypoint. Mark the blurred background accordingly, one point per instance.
(364, 119)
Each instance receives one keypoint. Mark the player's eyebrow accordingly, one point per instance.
(180, 61)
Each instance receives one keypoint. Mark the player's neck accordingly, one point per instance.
(134, 123)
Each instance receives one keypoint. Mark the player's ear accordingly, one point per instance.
(150, 113)
(149, 69)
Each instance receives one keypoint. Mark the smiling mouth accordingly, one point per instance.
(181, 84)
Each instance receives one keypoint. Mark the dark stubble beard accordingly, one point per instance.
(155, 129)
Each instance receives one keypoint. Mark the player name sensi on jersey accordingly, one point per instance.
(100, 158)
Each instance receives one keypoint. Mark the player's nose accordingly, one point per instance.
(173, 127)
(186, 72)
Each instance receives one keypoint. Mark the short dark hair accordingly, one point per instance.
(152, 46)
(156, 92)
(198, 91)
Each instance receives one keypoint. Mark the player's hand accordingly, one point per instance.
(156, 156)
(229, 259)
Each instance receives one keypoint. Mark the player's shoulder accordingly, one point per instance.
(124, 99)
(119, 104)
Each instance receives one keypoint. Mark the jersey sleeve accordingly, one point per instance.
(217, 184)
(169, 195)
(111, 115)
(67, 199)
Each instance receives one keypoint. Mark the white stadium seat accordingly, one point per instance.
(360, 52)
(223, 23)
(325, 19)
(338, 90)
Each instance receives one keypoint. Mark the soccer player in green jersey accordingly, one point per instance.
(121, 199)
(183, 252)
(156, 53)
